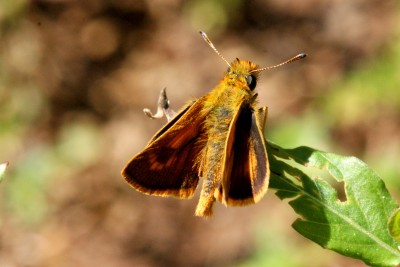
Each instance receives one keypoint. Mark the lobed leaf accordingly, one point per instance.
(357, 226)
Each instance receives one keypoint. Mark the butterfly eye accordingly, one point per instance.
(251, 82)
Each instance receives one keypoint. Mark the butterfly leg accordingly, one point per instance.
(163, 107)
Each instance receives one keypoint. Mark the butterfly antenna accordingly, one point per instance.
(293, 59)
(205, 37)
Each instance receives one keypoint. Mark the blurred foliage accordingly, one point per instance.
(75, 76)
(3, 167)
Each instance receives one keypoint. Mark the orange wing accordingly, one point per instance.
(166, 167)
(246, 176)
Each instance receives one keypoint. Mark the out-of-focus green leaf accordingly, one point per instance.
(394, 225)
(3, 167)
(355, 227)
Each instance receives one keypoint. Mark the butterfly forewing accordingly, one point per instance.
(169, 158)
(246, 175)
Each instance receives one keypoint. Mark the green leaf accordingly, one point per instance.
(3, 167)
(355, 227)
(394, 225)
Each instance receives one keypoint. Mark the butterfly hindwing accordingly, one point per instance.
(259, 159)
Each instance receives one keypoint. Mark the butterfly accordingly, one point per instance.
(217, 138)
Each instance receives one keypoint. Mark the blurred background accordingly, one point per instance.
(76, 75)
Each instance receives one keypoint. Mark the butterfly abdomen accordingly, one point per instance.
(217, 125)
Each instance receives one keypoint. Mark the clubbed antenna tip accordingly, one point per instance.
(208, 41)
(290, 60)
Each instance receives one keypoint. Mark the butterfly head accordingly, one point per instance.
(243, 70)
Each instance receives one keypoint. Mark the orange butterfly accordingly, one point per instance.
(218, 138)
